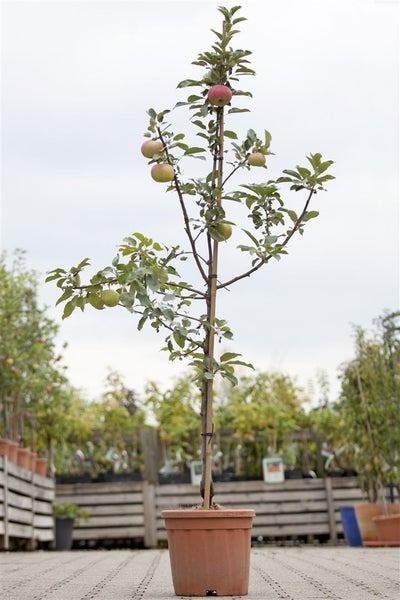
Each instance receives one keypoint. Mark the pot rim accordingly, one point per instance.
(184, 513)
(394, 516)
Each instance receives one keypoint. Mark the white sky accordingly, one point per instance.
(77, 79)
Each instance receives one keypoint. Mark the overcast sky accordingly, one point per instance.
(77, 79)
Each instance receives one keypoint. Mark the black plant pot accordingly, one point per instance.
(293, 474)
(64, 533)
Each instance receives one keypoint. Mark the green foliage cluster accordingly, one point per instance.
(69, 510)
(146, 273)
(33, 388)
(369, 405)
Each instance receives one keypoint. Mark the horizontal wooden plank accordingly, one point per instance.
(19, 472)
(43, 482)
(109, 533)
(242, 498)
(99, 498)
(43, 535)
(20, 501)
(291, 530)
(46, 494)
(284, 519)
(107, 521)
(18, 515)
(20, 486)
(99, 488)
(112, 509)
(43, 508)
(20, 531)
(43, 522)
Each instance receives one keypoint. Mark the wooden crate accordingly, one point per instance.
(26, 514)
(116, 510)
(290, 509)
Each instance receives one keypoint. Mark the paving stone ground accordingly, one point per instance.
(298, 573)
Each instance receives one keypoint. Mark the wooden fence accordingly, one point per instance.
(294, 508)
(26, 500)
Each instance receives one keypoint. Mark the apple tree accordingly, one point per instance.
(148, 278)
(369, 405)
(31, 373)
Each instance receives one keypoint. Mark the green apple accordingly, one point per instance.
(221, 231)
(162, 172)
(256, 159)
(219, 95)
(110, 297)
(151, 147)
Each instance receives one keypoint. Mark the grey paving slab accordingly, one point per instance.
(277, 573)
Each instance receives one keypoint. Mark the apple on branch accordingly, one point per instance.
(219, 95)
(151, 147)
(256, 159)
(220, 232)
(162, 172)
(110, 297)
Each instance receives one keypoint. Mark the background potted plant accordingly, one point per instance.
(151, 280)
(369, 413)
(65, 514)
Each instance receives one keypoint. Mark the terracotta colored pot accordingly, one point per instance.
(41, 466)
(32, 461)
(209, 551)
(388, 528)
(23, 457)
(4, 447)
(13, 451)
(365, 513)
(394, 509)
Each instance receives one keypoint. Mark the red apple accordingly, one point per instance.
(151, 147)
(256, 159)
(162, 172)
(219, 95)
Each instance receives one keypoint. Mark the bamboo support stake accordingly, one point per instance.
(212, 282)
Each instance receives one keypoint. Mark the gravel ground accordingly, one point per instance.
(296, 573)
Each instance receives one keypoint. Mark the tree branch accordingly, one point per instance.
(266, 259)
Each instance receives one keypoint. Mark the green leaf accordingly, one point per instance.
(251, 236)
(188, 83)
(194, 150)
(230, 134)
(237, 110)
(292, 173)
(228, 356)
(310, 215)
(179, 339)
(304, 172)
(67, 294)
(68, 309)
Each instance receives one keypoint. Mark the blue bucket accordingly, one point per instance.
(350, 526)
